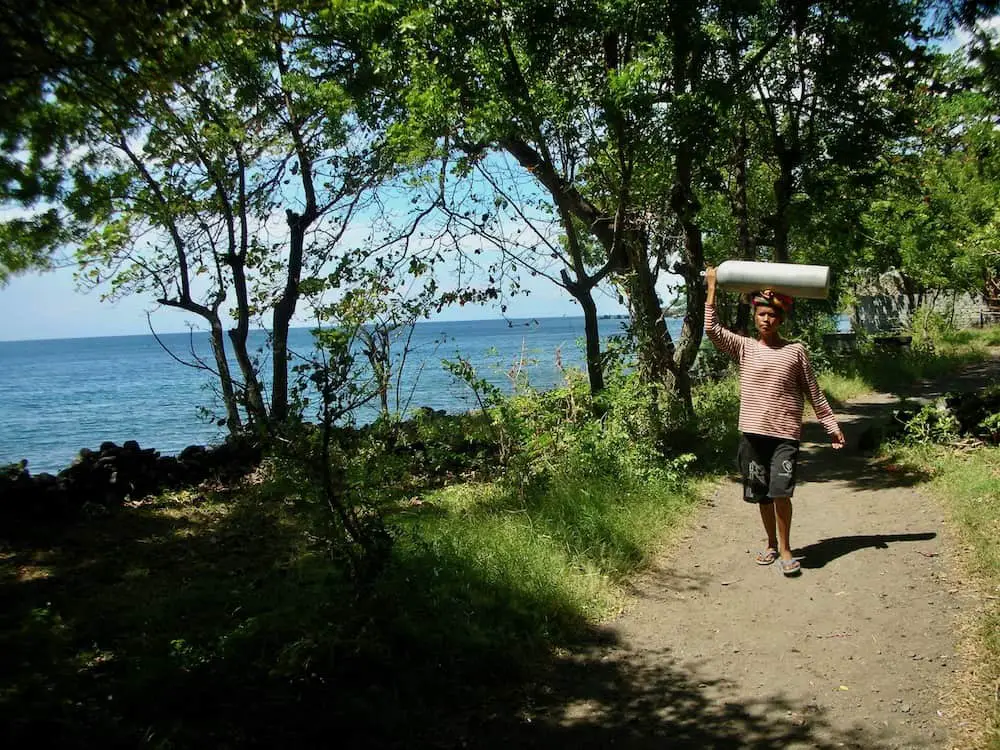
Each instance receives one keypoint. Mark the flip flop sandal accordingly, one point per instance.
(766, 556)
(790, 567)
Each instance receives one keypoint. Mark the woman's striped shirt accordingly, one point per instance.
(773, 383)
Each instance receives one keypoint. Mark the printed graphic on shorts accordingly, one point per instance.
(755, 472)
(786, 468)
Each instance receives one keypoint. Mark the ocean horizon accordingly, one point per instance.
(265, 331)
(59, 395)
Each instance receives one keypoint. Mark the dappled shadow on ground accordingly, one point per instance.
(970, 378)
(593, 701)
(818, 554)
(153, 628)
(945, 372)
(671, 583)
(819, 462)
(861, 472)
(858, 416)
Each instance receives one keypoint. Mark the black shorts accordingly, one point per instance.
(768, 466)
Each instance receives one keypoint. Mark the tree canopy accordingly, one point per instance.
(237, 160)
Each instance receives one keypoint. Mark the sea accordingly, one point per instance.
(60, 395)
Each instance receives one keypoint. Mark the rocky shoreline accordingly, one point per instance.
(114, 474)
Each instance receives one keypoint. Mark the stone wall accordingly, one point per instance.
(890, 312)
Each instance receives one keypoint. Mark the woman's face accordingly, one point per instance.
(767, 319)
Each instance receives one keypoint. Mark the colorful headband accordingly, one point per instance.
(769, 298)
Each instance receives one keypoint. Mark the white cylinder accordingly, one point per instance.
(795, 279)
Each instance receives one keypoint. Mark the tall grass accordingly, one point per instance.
(969, 485)
(871, 370)
(597, 525)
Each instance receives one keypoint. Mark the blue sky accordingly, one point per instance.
(51, 305)
(45, 306)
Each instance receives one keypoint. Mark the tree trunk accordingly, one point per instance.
(583, 293)
(741, 208)
(688, 59)
(784, 187)
(686, 207)
(284, 309)
(911, 291)
(582, 290)
(592, 332)
(689, 341)
(233, 420)
(283, 312)
(655, 346)
(239, 336)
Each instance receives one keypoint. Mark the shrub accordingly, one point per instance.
(928, 329)
(974, 415)
(811, 322)
(934, 423)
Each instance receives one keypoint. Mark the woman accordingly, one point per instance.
(775, 379)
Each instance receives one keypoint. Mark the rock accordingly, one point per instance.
(106, 478)
(46, 480)
(192, 452)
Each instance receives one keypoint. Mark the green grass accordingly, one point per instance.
(989, 336)
(969, 485)
(596, 525)
(168, 620)
(871, 371)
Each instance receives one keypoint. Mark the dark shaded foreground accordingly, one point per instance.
(145, 629)
(216, 625)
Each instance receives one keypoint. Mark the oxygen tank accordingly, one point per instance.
(795, 279)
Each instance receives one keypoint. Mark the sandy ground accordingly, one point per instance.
(717, 651)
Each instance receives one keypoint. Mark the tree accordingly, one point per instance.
(15, 257)
(937, 221)
(825, 101)
(46, 49)
(611, 109)
(496, 205)
(176, 187)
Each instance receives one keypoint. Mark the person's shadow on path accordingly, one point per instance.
(817, 555)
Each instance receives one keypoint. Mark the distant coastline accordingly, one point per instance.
(527, 320)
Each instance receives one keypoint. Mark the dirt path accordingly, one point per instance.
(720, 652)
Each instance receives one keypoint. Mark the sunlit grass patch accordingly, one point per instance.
(968, 482)
(870, 371)
(841, 387)
(594, 524)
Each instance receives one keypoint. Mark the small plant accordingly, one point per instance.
(711, 363)
(351, 526)
(811, 322)
(934, 423)
(491, 401)
(928, 329)
(990, 428)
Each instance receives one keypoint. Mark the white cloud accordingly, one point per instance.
(961, 37)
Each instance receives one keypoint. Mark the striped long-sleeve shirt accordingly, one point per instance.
(773, 383)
